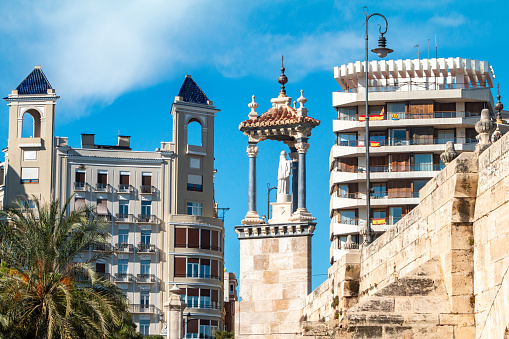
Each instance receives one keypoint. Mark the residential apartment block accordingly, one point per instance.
(415, 107)
(160, 205)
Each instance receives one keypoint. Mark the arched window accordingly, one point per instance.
(194, 133)
(31, 124)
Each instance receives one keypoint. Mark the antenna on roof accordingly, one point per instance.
(418, 52)
(436, 47)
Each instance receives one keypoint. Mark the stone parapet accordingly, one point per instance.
(275, 230)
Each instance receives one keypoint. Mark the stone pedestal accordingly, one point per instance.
(281, 212)
(275, 278)
(174, 314)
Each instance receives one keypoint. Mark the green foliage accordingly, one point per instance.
(224, 335)
(47, 290)
(156, 336)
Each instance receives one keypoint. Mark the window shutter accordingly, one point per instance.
(215, 239)
(146, 179)
(80, 176)
(194, 238)
(29, 173)
(102, 208)
(204, 322)
(79, 203)
(205, 292)
(205, 239)
(193, 292)
(214, 268)
(180, 266)
(180, 237)
(215, 296)
(192, 325)
(124, 178)
(194, 179)
(193, 261)
(205, 262)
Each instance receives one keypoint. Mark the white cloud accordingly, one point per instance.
(451, 20)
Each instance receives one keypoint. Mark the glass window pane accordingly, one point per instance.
(395, 214)
(423, 162)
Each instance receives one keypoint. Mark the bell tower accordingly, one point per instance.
(30, 156)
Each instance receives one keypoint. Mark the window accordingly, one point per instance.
(193, 238)
(80, 179)
(194, 182)
(194, 208)
(232, 288)
(194, 163)
(379, 214)
(395, 214)
(29, 155)
(79, 204)
(29, 175)
(102, 177)
(418, 184)
(194, 133)
(343, 191)
(100, 267)
(145, 237)
(379, 191)
(396, 110)
(204, 298)
(146, 208)
(205, 239)
(377, 139)
(102, 207)
(347, 139)
(146, 183)
(205, 268)
(192, 328)
(145, 266)
(28, 204)
(193, 267)
(193, 297)
(347, 217)
(122, 266)
(347, 113)
(180, 237)
(423, 162)
(445, 135)
(145, 327)
(123, 208)
(123, 236)
(124, 178)
(398, 137)
(31, 127)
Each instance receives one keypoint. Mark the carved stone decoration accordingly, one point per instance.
(349, 244)
(283, 178)
(485, 127)
(252, 151)
(364, 232)
(253, 105)
(449, 154)
(302, 147)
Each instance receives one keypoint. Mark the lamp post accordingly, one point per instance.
(382, 52)
(268, 199)
(186, 320)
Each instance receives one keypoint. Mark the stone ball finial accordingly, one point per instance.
(301, 100)
(485, 127)
(449, 154)
(364, 232)
(253, 105)
(350, 244)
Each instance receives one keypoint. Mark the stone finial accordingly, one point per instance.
(350, 244)
(499, 107)
(294, 104)
(302, 111)
(175, 289)
(253, 105)
(282, 79)
(496, 135)
(364, 232)
(485, 127)
(449, 154)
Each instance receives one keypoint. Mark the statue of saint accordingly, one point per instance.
(283, 177)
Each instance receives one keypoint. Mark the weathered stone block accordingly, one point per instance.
(270, 277)
(261, 262)
(457, 319)
(466, 332)
(375, 304)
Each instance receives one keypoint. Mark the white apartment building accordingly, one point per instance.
(415, 107)
(164, 226)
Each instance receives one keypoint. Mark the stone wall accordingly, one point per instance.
(491, 242)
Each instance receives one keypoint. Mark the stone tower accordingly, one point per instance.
(275, 256)
(30, 152)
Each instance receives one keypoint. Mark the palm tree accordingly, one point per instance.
(47, 289)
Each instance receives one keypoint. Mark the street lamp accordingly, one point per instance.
(268, 199)
(382, 52)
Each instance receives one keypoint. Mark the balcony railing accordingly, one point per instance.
(125, 217)
(407, 142)
(207, 306)
(101, 247)
(147, 189)
(147, 218)
(124, 247)
(198, 276)
(81, 187)
(101, 187)
(382, 169)
(146, 278)
(105, 217)
(105, 276)
(125, 188)
(146, 248)
(374, 221)
(203, 247)
(377, 195)
(410, 115)
(124, 277)
(142, 308)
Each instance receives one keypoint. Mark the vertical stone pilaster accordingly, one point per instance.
(252, 216)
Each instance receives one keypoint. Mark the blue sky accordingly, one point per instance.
(117, 66)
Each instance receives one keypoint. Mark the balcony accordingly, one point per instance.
(198, 276)
(206, 306)
(407, 142)
(125, 218)
(147, 218)
(146, 278)
(124, 277)
(146, 248)
(105, 276)
(127, 189)
(105, 217)
(81, 187)
(124, 248)
(104, 188)
(142, 308)
(410, 115)
(147, 189)
(101, 247)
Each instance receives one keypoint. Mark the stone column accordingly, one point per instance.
(252, 216)
(295, 177)
(174, 314)
(302, 213)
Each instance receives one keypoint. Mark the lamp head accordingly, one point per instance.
(382, 51)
